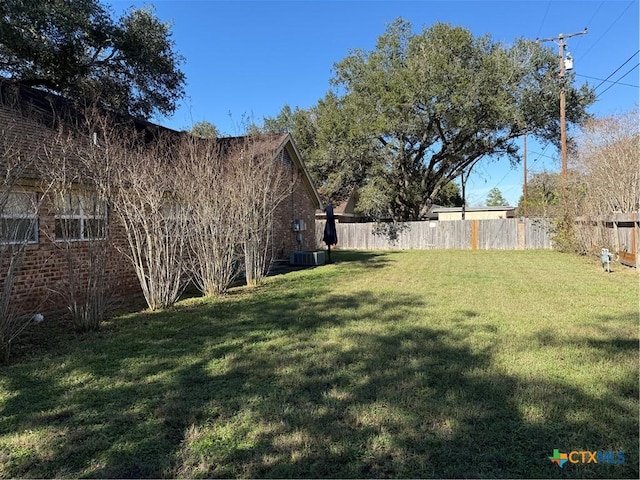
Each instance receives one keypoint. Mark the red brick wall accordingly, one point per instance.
(298, 205)
(45, 270)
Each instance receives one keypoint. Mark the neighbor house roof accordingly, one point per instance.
(343, 209)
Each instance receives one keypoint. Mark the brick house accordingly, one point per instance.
(27, 119)
(295, 216)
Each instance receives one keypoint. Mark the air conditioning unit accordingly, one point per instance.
(307, 258)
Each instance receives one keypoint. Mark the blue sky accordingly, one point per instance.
(244, 60)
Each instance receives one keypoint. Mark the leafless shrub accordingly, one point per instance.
(146, 194)
(607, 162)
(81, 227)
(17, 231)
(262, 182)
(19, 208)
(214, 229)
(608, 159)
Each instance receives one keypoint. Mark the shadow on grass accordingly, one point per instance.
(367, 260)
(415, 404)
(301, 383)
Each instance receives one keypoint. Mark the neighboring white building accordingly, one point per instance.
(475, 213)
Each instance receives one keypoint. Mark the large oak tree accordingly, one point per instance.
(405, 119)
(75, 48)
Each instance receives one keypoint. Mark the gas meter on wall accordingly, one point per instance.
(298, 226)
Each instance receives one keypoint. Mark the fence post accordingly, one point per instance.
(635, 235)
(521, 235)
(474, 234)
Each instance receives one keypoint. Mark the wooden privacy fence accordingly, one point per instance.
(495, 234)
(620, 232)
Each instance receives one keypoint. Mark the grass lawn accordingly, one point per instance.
(400, 364)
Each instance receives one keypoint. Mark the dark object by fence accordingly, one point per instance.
(330, 236)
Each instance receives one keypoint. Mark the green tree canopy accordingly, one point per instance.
(495, 198)
(204, 129)
(544, 194)
(76, 49)
(406, 119)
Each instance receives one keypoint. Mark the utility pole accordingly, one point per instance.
(565, 64)
(525, 175)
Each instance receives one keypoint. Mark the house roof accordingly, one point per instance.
(30, 121)
(274, 143)
(287, 142)
(49, 108)
(41, 111)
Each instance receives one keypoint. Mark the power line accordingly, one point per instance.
(607, 30)
(561, 38)
(541, 154)
(632, 69)
(612, 81)
(588, 24)
(544, 18)
(616, 70)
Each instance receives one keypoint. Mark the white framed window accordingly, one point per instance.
(19, 217)
(80, 215)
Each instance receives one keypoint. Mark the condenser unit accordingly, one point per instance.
(307, 258)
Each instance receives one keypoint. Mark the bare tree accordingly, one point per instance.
(262, 182)
(146, 194)
(232, 188)
(97, 161)
(607, 165)
(73, 168)
(19, 208)
(608, 159)
(214, 230)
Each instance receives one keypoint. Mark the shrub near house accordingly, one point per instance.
(50, 184)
